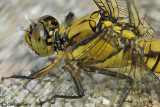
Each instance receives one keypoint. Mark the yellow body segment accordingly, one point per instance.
(151, 54)
(108, 23)
(125, 33)
(116, 60)
(128, 34)
(75, 31)
(97, 52)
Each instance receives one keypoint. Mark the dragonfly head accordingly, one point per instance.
(39, 35)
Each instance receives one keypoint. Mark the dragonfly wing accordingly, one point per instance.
(133, 15)
(118, 9)
(145, 84)
(146, 31)
(125, 11)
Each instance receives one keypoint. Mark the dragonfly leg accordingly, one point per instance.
(77, 83)
(34, 74)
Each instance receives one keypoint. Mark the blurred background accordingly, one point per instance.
(15, 15)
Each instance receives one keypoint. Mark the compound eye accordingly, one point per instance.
(39, 41)
(49, 22)
(38, 35)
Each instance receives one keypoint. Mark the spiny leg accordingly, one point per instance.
(34, 74)
(41, 72)
(77, 83)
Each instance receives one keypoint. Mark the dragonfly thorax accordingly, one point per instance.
(59, 42)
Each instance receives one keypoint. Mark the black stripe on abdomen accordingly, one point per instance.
(155, 65)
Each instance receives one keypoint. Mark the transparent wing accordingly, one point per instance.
(124, 11)
(118, 9)
(143, 27)
(146, 31)
(145, 87)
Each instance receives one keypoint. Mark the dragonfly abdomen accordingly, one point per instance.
(152, 54)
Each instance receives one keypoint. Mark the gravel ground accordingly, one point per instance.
(17, 58)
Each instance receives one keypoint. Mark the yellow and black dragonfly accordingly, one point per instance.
(112, 41)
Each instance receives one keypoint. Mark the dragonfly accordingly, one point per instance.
(112, 41)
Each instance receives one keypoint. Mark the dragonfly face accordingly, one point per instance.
(39, 34)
